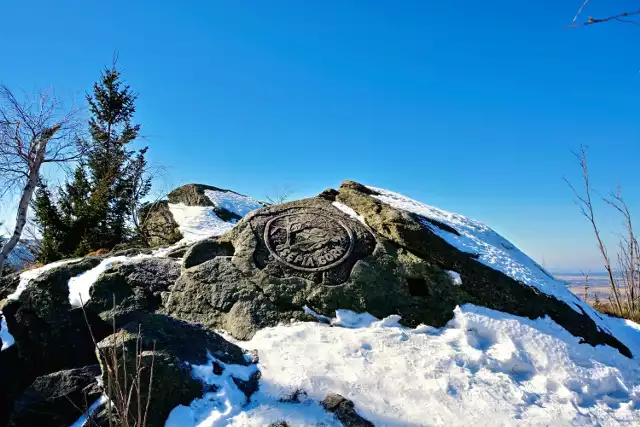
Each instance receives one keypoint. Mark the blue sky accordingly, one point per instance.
(469, 106)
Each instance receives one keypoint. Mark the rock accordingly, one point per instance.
(481, 285)
(178, 253)
(57, 399)
(49, 334)
(206, 250)
(217, 295)
(15, 378)
(136, 286)
(306, 253)
(124, 250)
(345, 411)
(170, 346)
(159, 225)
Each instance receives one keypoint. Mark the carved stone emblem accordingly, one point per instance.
(308, 241)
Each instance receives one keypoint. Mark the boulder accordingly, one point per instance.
(345, 411)
(57, 399)
(49, 333)
(166, 347)
(134, 287)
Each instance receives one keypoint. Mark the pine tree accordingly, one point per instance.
(95, 209)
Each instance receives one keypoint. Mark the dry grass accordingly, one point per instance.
(610, 309)
(128, 391)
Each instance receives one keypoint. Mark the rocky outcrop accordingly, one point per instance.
(57, 399)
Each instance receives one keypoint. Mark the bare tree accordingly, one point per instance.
(280, 196)
(625, 17)
(35, 130)
(624, 281)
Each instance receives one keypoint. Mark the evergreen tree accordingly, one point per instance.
(95, 209)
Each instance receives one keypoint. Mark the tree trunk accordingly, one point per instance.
(25, 199)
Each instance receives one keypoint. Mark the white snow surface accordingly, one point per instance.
(199, 222)
(80, 285)
(233, 202)
(483, 367)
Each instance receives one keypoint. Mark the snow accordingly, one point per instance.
(199, 222)
(227, 405)
(27, 276)
(483, 365)
(233, 202)
(492, 249)
(349, 211)
(80, 285)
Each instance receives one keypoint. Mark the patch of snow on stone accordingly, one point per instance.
(492, 249)
(27, 276)
(349, 211)
(233, 202)
(457, 280)
(84, 419)
(6, 338)
(80, 285)
(483, 365)
(198, 222)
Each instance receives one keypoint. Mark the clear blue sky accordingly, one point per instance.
(469, 106)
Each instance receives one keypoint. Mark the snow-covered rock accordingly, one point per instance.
(356, 307)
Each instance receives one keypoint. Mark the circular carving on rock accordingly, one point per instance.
(308, 240)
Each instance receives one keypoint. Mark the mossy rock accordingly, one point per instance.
(133, 287)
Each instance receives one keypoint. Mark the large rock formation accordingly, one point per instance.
(375, 258)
